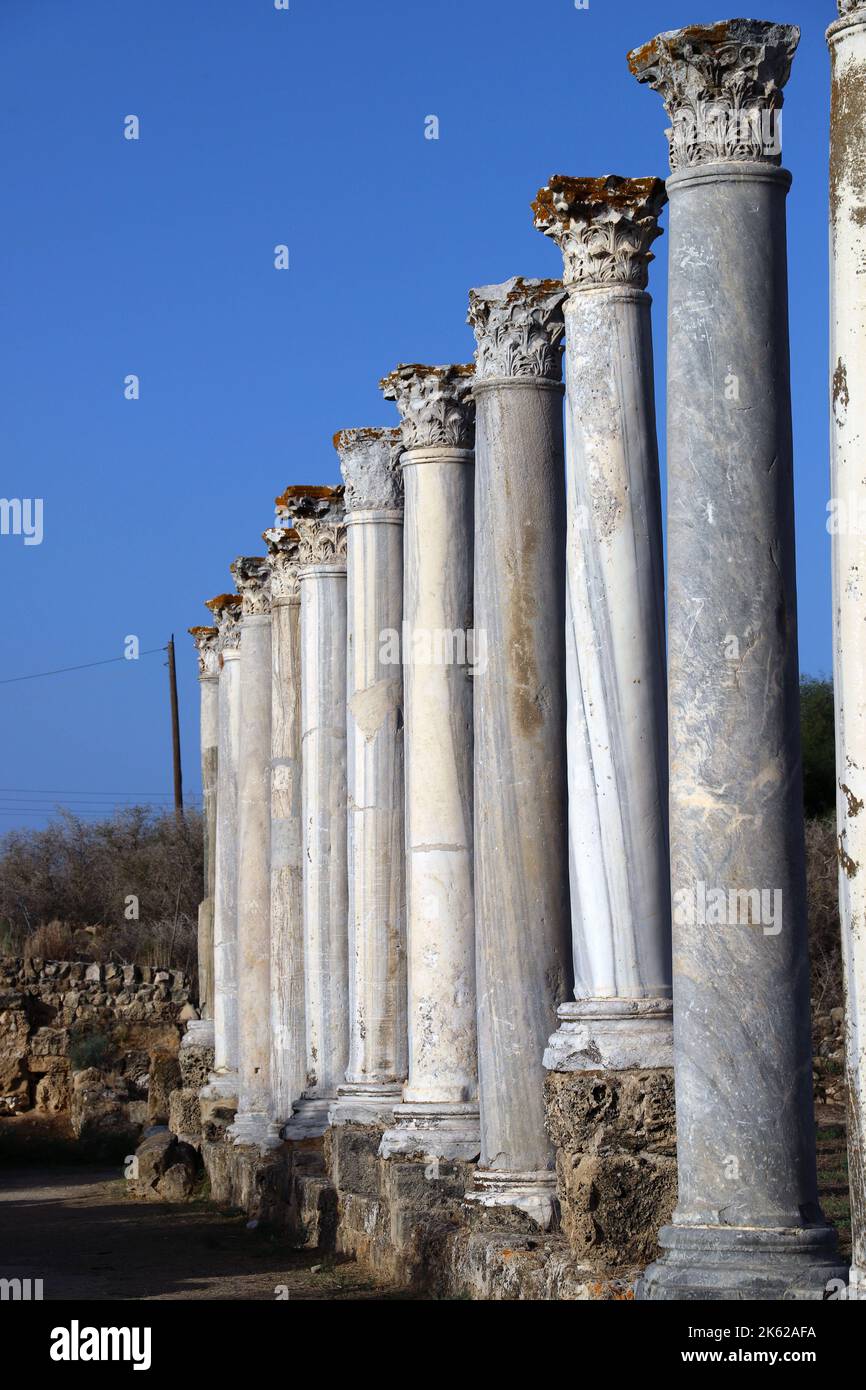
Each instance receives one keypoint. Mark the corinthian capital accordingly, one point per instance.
(205, 639)
(370, 465)
(847, 7)
(321, 543)
(518, 328)
(604, 227)
(311, 502)
(252, 575)
(722, 88)
(226, 609)
(435, 405)
(284, 558)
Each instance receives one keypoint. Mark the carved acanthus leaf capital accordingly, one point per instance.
(310, 502)
(722, 88)
(847, 7)
(252, 575)
(370, 465)
(284, 555)
(205, 639)
(604, 227)
(518, 328)
(435, 404)
(226, 609)
(321, 543)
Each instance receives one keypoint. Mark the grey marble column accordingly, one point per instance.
(252, 1124)
(439, 1111)
(326, 891)
(200, 1032)
(288, 1027)
(522, 926)
(370, 464)
(747, 1223)
(621, 1016)
(223, 1082)
(847, 41)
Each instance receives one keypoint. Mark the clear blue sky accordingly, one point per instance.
(305, 127)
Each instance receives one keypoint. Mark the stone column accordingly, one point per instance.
(370, 464)
(326, 891)
(223, 1082)
(288, 1029)
(847, 40)
(520, 793)
(200, 1032)
(439, 1113)
(747, 1223)
(255, 1101)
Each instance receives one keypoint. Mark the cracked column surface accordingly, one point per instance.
(523, 939)
(847, 41)
(252, 1124)
(322, 574)
(439, 1112)
(200, 1032)
(747, 1223)
(621, 1015)
(223, 1081)
(378, 1044)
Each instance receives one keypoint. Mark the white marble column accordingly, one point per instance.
(223, 1082)
(621, 1016)
(288, 1027)
(252, 1124)
(200, 1032)
(847, 524)
(439, 1113)
(326, 891)
(522, 924)
(378, 1044)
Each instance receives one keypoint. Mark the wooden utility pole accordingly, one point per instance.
(175, 732)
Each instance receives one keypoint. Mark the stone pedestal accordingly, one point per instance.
(223, 1083)
(747, 1224)
(369, 460)
(522, 926)
(847, 40)
(200, 1032)
(255, 1101)
(439, 1113)
(322, 574)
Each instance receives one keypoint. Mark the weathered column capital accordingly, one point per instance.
(226, 609)
(252, 575)
(519, 328)
(312, 501)
(604, 227)
(205, 639)
(847, 7)
(370, 465)
(435, 405)
(722, 88)
(321, 544)
(284, 552)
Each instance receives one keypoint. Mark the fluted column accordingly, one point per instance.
(847, 41)
(223, 1082)
(439, 1111)
(200, 1032)
(370, 464)
(747, 1223)
(255, 1101)
(322, 575)
(523, 950)
(615, 658)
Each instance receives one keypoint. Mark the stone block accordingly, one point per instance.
(613, 1206)
(184, 1115)
(351, 1156)
(611, 1112)
(163, 1078)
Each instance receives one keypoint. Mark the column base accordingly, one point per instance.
(366, 1103)
(532, 1193)
(199, 1033)
(435, 1130)
(612, 1035)
(255, 1129)
(221, 1085)
(310, 1119)
(856, 1292)
(745, 1263)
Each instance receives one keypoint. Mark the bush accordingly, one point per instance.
(817, 724)
(88, 1050)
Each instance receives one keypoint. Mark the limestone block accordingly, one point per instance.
(614, 1204)
(53, 1091)
(184, 1115)
(164, 1077)
(603, 1112)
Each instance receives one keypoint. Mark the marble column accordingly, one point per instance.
(847, 41)
(200, 1032)
(252, 1124)
(439, 1111)
(522, 927)
(322, 576)
(621, 1015)
(747, 1224)
(223, 1081)
(370, 464)
(288, 1027)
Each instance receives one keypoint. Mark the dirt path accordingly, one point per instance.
(77, 1230)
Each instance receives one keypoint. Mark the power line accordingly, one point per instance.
(86, 666)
